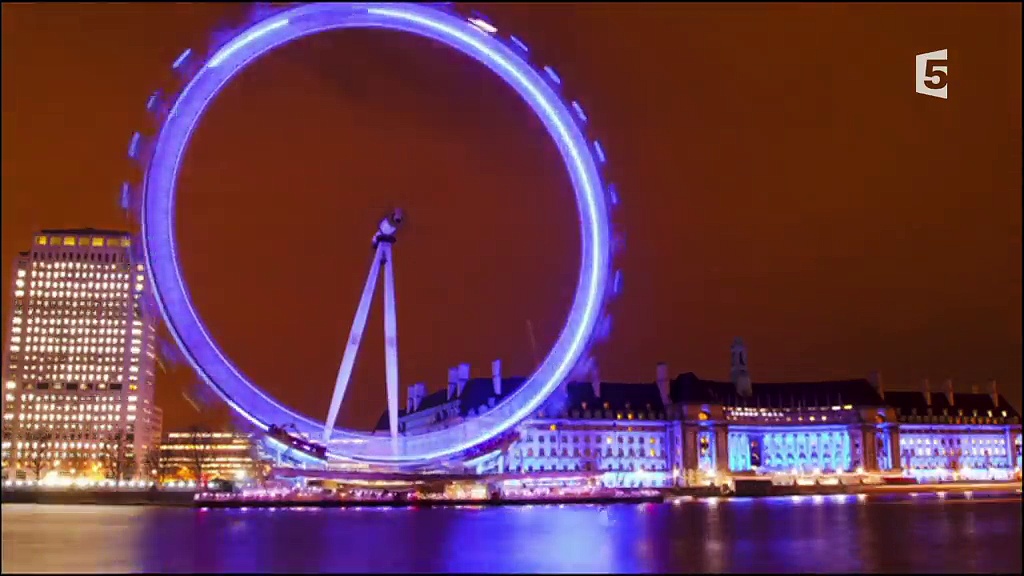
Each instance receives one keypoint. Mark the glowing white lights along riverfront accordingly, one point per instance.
(473, 37)
(80, 354)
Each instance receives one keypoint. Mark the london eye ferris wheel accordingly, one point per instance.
(153, 201)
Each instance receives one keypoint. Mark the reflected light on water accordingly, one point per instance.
(820, 534)
(544, 539)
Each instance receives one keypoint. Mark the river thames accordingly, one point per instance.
(807, 534)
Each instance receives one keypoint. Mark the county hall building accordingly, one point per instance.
(684, 430)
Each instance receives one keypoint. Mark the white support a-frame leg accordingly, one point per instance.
(355, 335)
(382, 263)
(390, 342)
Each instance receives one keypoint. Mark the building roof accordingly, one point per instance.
(618, 396)
(86, 231)
(476, 393)
(689, 389)
(913, 402)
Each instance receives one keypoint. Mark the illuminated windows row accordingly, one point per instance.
(69, 294)
(31, 396)
(100, 380)
(63, 445)
(53, 380)
(805, 440)
(79, 282)
(73, 349)
(206, 447)
(56, 456)
(68, 408)
(69, 266)
(957, 452)
(69, 418)
(80, 257)
(621, 437)
(106, 323)
(74, 344)
(64, 264)
(91, 272)
(79, 341)
(57, 376)
(66, 429)
(72, 407)
(70, 309)
(69, 368)
(81, 287)
(86, 335)
(586, 452)
(957, 440)
(83, 241)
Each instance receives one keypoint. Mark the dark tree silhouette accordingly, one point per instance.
(37, 460)
(154, 465)
(116, 455)
(260, 469)
(198, 450)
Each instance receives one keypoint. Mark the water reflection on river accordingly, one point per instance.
(830, 534)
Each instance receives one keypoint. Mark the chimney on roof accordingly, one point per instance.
(926, 389)
(453, 377)
(595, 380)
(463, 377)
(738, 371)
(496, 376)
(876, 382)
(948, 389)
(661, 377)
(993, 391)
(416, 393)
(421, 393)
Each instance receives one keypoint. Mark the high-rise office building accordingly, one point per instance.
(79, 358)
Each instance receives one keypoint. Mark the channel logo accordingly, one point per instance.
(932, 78)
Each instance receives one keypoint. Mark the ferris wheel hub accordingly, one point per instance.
(388, 227)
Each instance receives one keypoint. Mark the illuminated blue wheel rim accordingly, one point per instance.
(470, 37)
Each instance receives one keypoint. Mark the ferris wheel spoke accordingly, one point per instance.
(348, 361)
(390, 343)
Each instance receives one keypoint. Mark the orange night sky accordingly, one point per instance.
(780, 181)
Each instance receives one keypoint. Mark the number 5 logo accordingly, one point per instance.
(932, 75)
